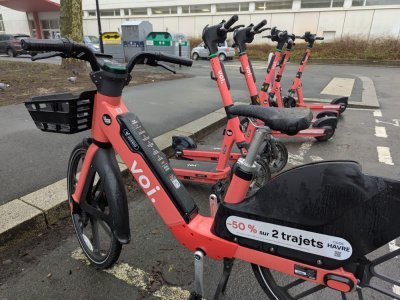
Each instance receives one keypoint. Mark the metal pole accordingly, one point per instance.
(180, 50)
(99, 25)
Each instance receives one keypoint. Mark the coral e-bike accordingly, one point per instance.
(314, 223)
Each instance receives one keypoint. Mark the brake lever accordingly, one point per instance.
(166, 67)
(47, 55)
(232, 29)
(264, 29)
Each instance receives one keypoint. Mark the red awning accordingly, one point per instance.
(31, 5)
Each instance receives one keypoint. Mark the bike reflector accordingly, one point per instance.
(301, 240)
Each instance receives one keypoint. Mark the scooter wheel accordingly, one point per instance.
(275, 162)
(329, 132)
(289, 102)
(326, 114)
(343, 102)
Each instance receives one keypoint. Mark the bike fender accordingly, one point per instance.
(106, 164)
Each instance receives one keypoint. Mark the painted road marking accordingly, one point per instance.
(377, 113)
(298, 159)
(137, 278)
(380, 132)
(396, 122)
(384, 155)
(316, 158)
(339, 86)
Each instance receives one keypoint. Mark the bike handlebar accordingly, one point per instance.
(69, 48)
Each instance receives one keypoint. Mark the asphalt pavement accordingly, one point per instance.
(31, 159)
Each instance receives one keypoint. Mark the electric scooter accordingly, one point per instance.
(322, 129)
(306, 233)
(274, 152)
(338, 104)
(275, 92)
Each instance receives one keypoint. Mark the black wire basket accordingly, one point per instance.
(62, 113)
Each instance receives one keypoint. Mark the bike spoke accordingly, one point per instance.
(292, 284)
(95, 235)
(106, 229)
(309, 292)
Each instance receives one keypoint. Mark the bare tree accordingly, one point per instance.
(71, 27)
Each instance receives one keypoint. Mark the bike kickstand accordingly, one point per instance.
(228, 264)
(198, 276)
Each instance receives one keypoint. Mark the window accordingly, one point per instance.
(232, 7)
(337, 3)
(2, 24)
(91, 13)
(315, 3)
(110, 12)
(321, 3)
(382, 2)
(358, 3)
(139, 11)
(274, 4)
(126, 12)
(166, 10)
(196, 9)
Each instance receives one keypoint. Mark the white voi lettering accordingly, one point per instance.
(144, 181)
(221, 76)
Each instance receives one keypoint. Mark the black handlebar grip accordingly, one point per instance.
(45, 45)
(174, 59)
(260, 25)
(231, 21)
(321, 38)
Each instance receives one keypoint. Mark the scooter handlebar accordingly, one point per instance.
(227, 25)
(174, 59)
(260, 25)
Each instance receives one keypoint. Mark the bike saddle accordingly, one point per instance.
(288, 121)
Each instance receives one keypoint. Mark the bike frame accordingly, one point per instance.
(194, 234)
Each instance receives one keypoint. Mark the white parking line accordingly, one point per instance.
(137, 278)
(339, 86)
(384, 155)
(377, 113)
(298, 158)
(380, 132)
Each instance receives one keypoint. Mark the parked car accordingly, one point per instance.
(224, 51)
(11, 44)
(92, 42)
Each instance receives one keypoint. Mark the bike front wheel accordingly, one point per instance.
(94, 234)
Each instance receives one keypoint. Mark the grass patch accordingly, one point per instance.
(34, 79)
(346, 48)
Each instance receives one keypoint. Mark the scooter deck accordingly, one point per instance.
(209, 153)
(310, 132)
(198, 171)
(320, 107)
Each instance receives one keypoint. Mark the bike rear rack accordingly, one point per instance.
(370, 273)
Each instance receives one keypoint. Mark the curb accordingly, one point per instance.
(30, 214)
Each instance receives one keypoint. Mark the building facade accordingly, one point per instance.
(333, 19)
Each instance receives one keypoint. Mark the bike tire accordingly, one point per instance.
(100, 258)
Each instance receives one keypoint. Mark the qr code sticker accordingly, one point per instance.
(338, 254)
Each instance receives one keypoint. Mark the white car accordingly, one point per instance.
(224, 52)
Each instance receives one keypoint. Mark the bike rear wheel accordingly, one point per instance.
(94, 234)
